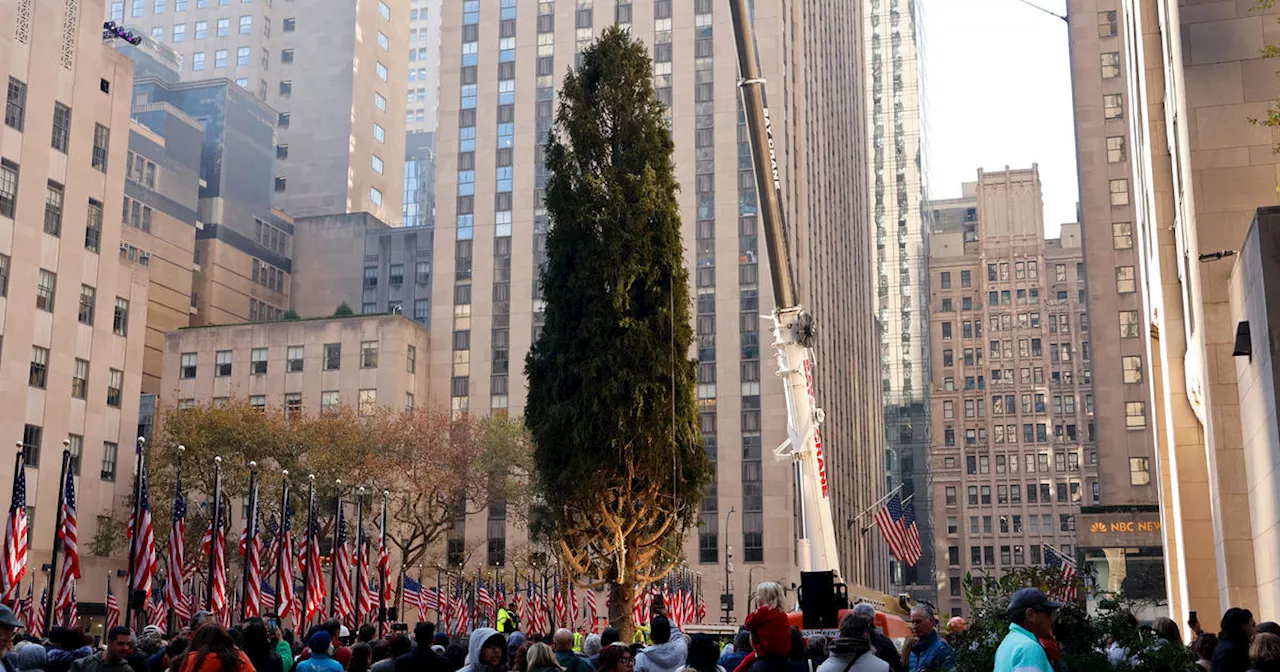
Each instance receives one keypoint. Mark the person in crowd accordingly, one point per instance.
(112, 659)
(703, 655)
(68, 647)
(608, 637)
(540, 658)
(880, 642)
(1166, 630)
(853, 650)
(925, 649)
(366, 633)
(283, 643)
(258, 647)
(173, 654)
(956, 625)
(1203, 646)
(817, 651)
(579, 638)
(487, 651)
(319, 644)
(519, 659)
(770, 630)
(617, 657)
(201, 618)
(213, 650)
(1232, 653)
(591, 649)
(397, 646)
(737, 651)
(1031, 615)
(158, 661)
(562, 644)
(422, 658)
(506, 619)
(9, 624)
(669, 650)
(29, 655)
(361, 654)
(797, 658)
(1264, 652)
(1269, 627)
(455, 655)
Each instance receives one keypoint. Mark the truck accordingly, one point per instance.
(824, 598)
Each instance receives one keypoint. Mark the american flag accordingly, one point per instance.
(591, 607)
(1066, 588)
(315, 582)
(268, 597)
(218, 548)
(890, 521)
(70, 551)
(640, 605)
(484, 602)
(35, 616)
(520, 612)
(368, 598)
(384, 566)
(253, 593)
(537, 608)
(690, 609)
(562, 616)
(573, 603)
(157, 612)
(26, 607)
(15, 539)
(702, 608)
(444, 605)
(144, 547)
(913, 531)
(175, 567)
(461, 615)
(413, 595)
(343, 605)
(73, 607)
(288, 603)
(113, 609)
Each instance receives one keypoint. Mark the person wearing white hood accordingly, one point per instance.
(486, 651)
(669, 652)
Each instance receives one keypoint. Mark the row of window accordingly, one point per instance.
(1009, 555)
(33, 437)
(329, 401)
(38, 377)
(294, 359)
(1031, 433)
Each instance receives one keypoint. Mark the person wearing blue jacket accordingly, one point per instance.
(319, 661)
(1031, 613)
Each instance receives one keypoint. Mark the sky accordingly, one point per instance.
(998, 92)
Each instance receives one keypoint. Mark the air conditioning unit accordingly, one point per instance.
(144, 258)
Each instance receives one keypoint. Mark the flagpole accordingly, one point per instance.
(177, 489)
(383, 576)
(439, 607)
(57, 534)
(137, 525)
(215, 524)
(333, 549)
(306, 575)
(18, 465)
(281, 551)
(362, 557)
(250, 538)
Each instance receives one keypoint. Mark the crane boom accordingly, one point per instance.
(793, 326)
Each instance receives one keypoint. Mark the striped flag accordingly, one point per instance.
(484, 602)
(157, 611)
(175, 563)
(343, 606)
(218, 547)
(413, 595)
(73, 607)
(143, 547)
(562, 616)
(573, 603)
(591, 607)
(889, 520)
(640, 605)
(268, 597)
(315, 582)
(65, 597)
(702, 608)
(384, 566)
(35, 617)
(26, 608)
(368, 597)
(912, 532)
(288, 605)
(14, 552)
(113, 609)
(1067, 573)
(253, 549)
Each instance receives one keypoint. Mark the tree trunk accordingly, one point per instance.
(621, 597)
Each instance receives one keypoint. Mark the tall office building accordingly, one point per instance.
(1013, 409)
(892, 33)
(1173, 172)
(334, 73)
(74, 311)
(424, 66)
(501, 62)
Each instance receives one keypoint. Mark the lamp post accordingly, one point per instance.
(726, 600)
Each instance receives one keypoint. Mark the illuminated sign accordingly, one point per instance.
(1125, 526)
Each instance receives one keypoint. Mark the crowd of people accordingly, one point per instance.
(767, 643)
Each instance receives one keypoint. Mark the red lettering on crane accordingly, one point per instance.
(817, 438)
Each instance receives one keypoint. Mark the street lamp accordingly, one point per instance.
(726, 599)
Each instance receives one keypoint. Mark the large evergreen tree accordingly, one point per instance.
(611, 404)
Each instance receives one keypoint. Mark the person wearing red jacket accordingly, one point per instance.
(770, 631)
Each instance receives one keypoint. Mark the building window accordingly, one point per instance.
(15, 109)
(101, 140)
(368, 354)
(109, 452)
(53, 209)
(375, 162)
(1129, 325)
(332, 356)
(1125, 280)
(379, 133)
(411, 360)
(45, 288)
(222, 363)
(1122, 235)
(1107, 24)
(88, 295)
(1135, 415)
(1119, 192)
(61, 127)
(293, 359)
(1115, 149)
(258, 402)
(31, 439)
(224, 27)
(375, 196)
(282, 183)
(220, 58)
(258, 361)
(380, 101)
(179, 32)
(1139, 471)
(115, 387)
(329, 401)
(8, 187)
(384, 11)
(38, 375)
(292, 404)
(120, 323)
(246, 25)
(1132, 368)
(289, 25)
(80, 379)
(1110, 65)
(368, 308)
(368, 402)
(188, 367)
(242, 58)
(381, 71)
(197, 61)
(1113, 106)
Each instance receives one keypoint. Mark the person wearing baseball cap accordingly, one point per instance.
(8, 624)
(1031, 613)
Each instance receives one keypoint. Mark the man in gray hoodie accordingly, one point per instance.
(486, 651)
(669, 652)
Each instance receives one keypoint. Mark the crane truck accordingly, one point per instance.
(824, 597)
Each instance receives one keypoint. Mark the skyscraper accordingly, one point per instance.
(501, 62)
(424, 66)
(1013, 411)
(892, 33)
(333, 72)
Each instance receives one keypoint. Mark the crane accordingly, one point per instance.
(823, 595)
